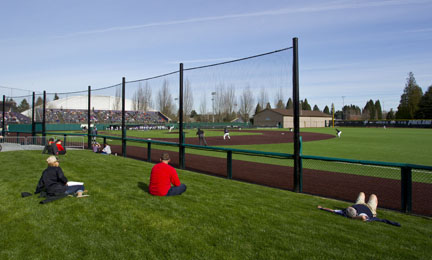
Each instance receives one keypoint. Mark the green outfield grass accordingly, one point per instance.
(398, 145)
(215, 219)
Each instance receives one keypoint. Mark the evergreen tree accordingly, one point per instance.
(425, 105)
(193, 114)
(369, 111)
(268, 106)
(258, 109)
(289, 104)
(378, 110)
(315, 108)
(13, 106)
(280, 104)
(39, 101)
(305, 105)
(24, 105)
(351, 112)
(410, 99)
(326, 110)
(390, 115)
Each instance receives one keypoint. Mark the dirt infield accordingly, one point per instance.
(328, 184)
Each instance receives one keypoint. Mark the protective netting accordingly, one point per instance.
(231, 91)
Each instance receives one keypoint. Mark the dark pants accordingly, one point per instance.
(176, 190)
(74, 189)
(202, 140)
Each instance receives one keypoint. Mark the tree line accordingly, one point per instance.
(227, 106)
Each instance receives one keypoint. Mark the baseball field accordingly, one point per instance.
(216, 218)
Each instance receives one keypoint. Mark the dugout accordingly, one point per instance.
(284, 118)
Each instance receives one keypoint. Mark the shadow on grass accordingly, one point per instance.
(143, 186)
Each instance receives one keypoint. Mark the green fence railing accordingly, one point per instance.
(401, 172)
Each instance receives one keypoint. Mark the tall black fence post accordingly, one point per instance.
(33, 117)
(296, 103)
(406, 189)
(88, 119)
(3, 115)
(123, 117)
(44, 118)
(181, 136)
(229, 164)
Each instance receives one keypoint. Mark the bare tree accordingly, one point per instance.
(219, 101)
(137, 99)
(147, 97)
(224, 102)
(165, 101)
(118, 98)
(246, 103)
(203, 105)
(229, 102)
(263, 97)
(187, 100)
(278, 103)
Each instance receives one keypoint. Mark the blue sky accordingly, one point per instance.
(350, 51)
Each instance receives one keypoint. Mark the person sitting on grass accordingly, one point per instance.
(51, 147)
(54, 182)
(161, 178)
(96, 147)
(61, 150)
(361, 210)
(106, 149)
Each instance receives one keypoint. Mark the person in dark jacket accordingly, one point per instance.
(201, 137)
(54, 182)
(50, 148)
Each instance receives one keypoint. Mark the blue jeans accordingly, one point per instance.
(176, 190)
(74, 189)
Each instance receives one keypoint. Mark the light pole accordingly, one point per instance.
(213, 97)
(343, 105)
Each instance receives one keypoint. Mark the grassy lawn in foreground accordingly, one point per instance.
(215, 219)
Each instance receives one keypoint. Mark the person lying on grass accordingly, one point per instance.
(162, 176)
(54, 182)
(362, 210)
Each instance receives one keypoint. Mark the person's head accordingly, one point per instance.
(52, 161)
(51, 140)
(351, 212)
(165, 158)
(58, 141)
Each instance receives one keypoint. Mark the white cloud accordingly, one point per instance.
(282, 11)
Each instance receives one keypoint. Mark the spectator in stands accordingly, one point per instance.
(201, 137)
(54, 183)
(161, 178)
(60, 148)
(106, 149)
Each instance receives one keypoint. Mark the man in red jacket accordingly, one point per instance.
(161, 178)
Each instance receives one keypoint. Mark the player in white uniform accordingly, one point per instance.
(226, 134)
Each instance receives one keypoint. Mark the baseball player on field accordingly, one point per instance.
(226, 134)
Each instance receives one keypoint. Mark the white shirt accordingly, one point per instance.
(107, 149)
